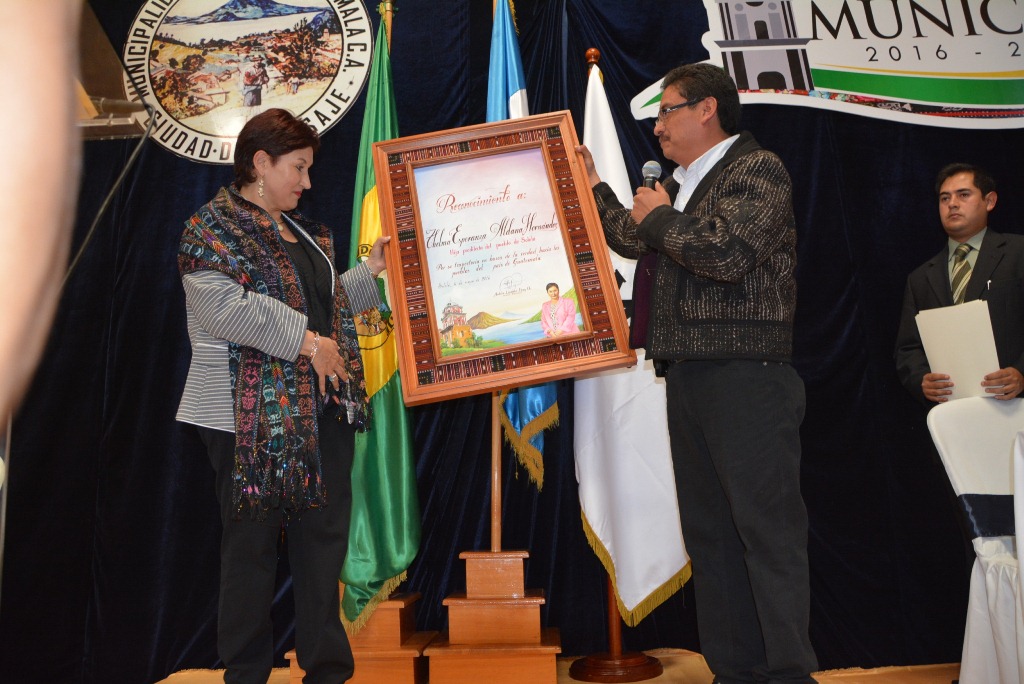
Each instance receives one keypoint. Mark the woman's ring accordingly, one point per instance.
(331, 377)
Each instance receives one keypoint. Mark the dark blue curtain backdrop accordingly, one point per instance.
(110, 568)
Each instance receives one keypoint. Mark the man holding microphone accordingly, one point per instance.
(715, 295)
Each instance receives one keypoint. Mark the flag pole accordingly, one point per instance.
(496, 472)
(495, 443)
(613, 666)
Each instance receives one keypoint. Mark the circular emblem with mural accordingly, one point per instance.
(208, 66)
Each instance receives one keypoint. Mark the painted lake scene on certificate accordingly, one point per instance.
(460, 335)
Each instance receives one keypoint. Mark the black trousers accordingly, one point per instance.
(317, 542)
(735, 437)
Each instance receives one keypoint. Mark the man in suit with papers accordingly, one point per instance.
(977, 263)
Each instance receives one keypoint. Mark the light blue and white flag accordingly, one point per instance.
(528, 411)
(506, 85)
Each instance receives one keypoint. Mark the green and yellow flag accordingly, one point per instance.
(385, 531)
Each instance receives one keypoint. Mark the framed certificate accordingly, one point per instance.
(503, 277)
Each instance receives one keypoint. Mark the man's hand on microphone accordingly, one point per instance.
(646, 199)
(588, 163)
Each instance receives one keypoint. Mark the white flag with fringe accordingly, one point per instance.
(623, 464)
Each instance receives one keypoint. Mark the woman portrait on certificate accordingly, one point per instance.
(558, 314)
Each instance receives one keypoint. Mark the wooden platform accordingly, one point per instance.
(495, 663)
(681, 667)
(494, 628)
(387, 649)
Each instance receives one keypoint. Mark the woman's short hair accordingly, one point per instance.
(551, 285)
(275, 131)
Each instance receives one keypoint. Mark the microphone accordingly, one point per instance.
(105, 105)
(651, 173)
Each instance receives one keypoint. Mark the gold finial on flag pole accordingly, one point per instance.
(387, 11)
(593, 56)
(511, 9)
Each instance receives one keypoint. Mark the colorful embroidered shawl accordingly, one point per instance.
(276, 403)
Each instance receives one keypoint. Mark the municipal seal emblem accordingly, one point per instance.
(205, 67)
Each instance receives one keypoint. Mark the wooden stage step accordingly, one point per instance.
(387, 649)
(495, 663)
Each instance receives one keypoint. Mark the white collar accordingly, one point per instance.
(700, 166)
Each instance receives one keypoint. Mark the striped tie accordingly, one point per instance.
(961, 272)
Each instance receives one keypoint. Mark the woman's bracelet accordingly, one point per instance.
(316, 345)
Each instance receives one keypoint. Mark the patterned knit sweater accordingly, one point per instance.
(724, 284)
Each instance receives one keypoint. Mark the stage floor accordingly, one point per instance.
(681, 667)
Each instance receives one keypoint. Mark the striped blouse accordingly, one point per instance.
(218, 309)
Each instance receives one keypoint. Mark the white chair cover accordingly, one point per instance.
(976, 438)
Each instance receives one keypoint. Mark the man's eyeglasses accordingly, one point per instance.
(662, 113)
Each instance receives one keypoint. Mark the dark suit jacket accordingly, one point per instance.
(998, 277)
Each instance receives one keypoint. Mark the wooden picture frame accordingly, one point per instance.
(483, 220)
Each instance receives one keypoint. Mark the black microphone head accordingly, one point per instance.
(651, 173)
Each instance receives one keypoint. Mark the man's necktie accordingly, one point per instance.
(961, 273)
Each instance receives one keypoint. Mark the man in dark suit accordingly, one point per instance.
(977, 263)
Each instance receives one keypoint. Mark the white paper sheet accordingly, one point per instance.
(958, 341)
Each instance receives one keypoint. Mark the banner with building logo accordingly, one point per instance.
(951, 63)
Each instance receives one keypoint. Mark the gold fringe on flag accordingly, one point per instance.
(654, 599)
(355, 626)
(528, 456)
